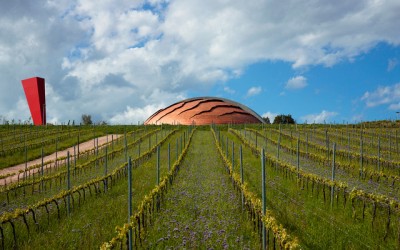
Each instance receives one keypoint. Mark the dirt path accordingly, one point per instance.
(82, 147)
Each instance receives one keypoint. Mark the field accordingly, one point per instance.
(220, 187)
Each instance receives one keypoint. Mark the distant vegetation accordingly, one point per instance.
(284, 119)
(87, 119)
(280, 119)
(266, 120)
(381, 124)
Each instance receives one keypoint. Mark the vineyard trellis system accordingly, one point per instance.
(365, 174)
(389, 208)
(61, 161)
(327, 186)
(60, 177)
(148, 206)
(107, 181)
(253, 205)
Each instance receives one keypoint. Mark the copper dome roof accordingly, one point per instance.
(203, 111)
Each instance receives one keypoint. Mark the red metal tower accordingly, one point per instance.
(35, 94)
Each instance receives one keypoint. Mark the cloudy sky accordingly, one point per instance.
(330, 61)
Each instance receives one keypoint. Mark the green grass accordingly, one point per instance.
(306, 215)
(67, 140)
(94, 170)
(319, 165)
(202, 210)
(95, 220)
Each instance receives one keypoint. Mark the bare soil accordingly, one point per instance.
(82, 147)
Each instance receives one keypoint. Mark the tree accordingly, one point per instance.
(87, 119)
(266, 120)
(284, 119)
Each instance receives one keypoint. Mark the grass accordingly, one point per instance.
(95, 220)
(95, 169)
(202, 210)
(323, 167)
(306, 215)
(49, 141)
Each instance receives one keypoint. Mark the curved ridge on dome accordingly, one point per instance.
(203, 111)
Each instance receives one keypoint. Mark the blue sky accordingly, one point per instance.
(338, 90)
(319, 61)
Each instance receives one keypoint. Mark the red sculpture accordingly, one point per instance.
(35, 94)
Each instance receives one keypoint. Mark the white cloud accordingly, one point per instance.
(383, 95)
(297, 82)
(324, 116)
(100, 57)
(134, 115)
(270, 115)
(392, 63)
(21, 111)
(229, 90)
(394, 106)
(254, 91)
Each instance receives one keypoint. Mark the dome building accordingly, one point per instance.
(203, 111)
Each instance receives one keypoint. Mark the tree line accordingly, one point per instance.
(280, 119)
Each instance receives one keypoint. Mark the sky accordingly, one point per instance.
(320, 61)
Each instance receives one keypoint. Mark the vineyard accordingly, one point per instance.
(219, 186)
